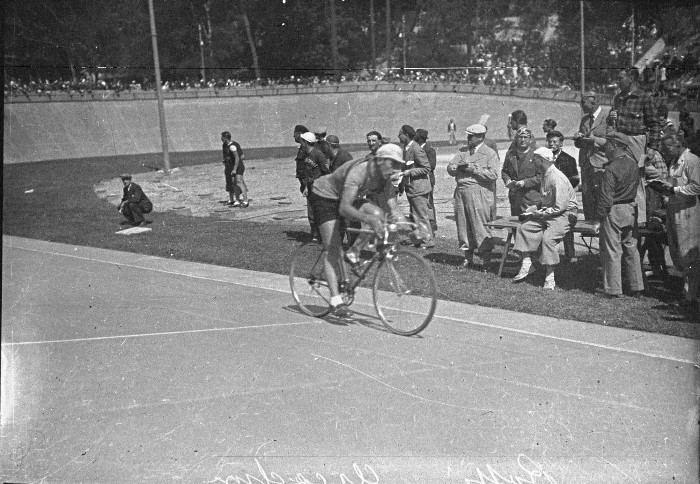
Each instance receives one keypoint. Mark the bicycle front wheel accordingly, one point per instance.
(307, 280)
(405, 292)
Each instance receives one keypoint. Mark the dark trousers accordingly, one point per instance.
(134, 211)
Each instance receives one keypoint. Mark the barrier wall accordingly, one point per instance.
(111, 126)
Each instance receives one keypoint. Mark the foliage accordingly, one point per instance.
(59, 37)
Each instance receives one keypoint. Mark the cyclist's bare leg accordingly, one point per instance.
(330, 234)
(242, 188)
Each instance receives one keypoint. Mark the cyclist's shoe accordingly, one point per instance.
(245, 204)
(341, 311)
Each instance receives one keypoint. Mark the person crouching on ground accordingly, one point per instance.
(134, 202)
(547, 223)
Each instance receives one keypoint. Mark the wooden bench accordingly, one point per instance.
(586, 228)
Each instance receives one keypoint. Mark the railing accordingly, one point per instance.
(206, 93)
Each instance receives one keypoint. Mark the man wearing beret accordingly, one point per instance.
(520, 175)
(475, 172)
(416, 183)
(134, 202)
(549, 221)
(617, 211)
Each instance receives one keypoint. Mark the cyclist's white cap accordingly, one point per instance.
(308, 137)
(545, 153)
(391, 151)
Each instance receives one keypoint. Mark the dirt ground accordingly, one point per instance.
(273, 192)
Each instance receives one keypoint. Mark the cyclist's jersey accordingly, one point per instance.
(353, 174)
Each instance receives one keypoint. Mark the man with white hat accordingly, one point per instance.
(546, 223)
(315, 165)
(475, 171)
(360, 190)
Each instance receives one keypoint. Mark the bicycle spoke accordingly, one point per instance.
(405, 293)
(308, 281)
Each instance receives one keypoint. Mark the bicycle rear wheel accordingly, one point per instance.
(405, 293)
(307, 280)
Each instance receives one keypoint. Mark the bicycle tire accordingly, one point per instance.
(405, 292)
(307, 280)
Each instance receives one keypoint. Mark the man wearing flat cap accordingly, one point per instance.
(617, 211)
(416, 183)
(321, 143)
(422, 140)
(134, 202)
(545, 224)
(590, 140)
(475, 172)
(520, 174)
(635, 114)
(338, 155)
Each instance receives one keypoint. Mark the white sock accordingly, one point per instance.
(550, 274)
(527, 262)
(336, 300)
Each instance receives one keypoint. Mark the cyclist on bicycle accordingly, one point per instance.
(363, 190)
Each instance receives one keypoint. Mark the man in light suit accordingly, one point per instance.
(475, 171)
(416, 183)
(590, 140)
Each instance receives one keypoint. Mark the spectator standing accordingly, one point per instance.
(315, 165)
(617, 213)
(516, 120)
(520, 175)
(233, 172)
(301, 155)
(566, 164)
(416, 182)
(452, 132)
(683, 212)
(422, 140)
(374, 141)
(635, 114)
(548, 126)
(545, 224)
(475, 172)
(339, 156)
(134, 202)
(321, 143)
(590, 140)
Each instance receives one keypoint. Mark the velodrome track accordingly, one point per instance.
(125, 368)
(76, 129)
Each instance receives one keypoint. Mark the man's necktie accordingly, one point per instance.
(471, 151)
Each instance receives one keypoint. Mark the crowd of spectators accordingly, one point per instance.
(673, 76)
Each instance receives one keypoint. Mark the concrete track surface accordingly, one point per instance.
(125, 368)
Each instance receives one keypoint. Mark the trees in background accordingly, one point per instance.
(67, 38)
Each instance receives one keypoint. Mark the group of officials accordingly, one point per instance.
(636, 171)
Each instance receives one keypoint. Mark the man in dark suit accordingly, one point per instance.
(134, 202)
(520, 174)
(566, 164)
(590, 140)
(421, 139)
(417, 184)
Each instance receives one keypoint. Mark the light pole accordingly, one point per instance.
(159, 93)
(583, 55)
(201, 55)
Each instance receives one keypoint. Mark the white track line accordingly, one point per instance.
(167, 333)
(475, 323)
